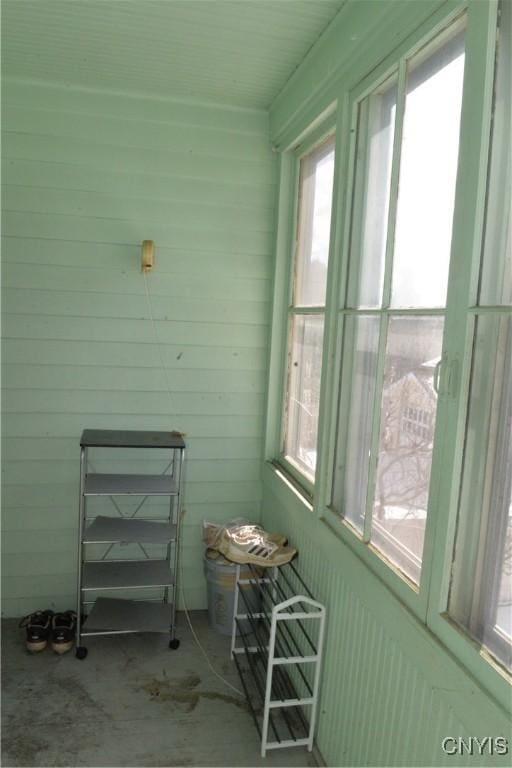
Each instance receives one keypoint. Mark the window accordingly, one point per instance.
(481, 589)
(415, 468)
(306, 313)
(416, 423)
(406, 157)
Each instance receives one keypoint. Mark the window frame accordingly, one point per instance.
(495, 529)
(415, 597)
(470, 206)
(385, 313)
(481, 532)
(292, 160)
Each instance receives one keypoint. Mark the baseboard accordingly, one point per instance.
(319, 759)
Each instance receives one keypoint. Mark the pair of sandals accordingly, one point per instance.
(243, 543)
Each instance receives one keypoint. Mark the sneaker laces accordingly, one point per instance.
(68, 616)
(38, 617)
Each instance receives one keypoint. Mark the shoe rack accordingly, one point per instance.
(276, 644)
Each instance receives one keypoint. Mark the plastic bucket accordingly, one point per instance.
(220, 582)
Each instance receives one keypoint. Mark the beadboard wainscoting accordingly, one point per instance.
(390, 692)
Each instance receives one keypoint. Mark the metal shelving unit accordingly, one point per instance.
(277, 642)
(111, 615)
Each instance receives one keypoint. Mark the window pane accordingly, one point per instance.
(303, 394)
(408, 416)
(314, 223)
(375, 131)
(481, 590)
(361, 341)
(428, 171)
(496, 287)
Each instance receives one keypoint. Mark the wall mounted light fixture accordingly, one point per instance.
(148, 255)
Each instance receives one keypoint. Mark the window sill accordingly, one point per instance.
(474, 657)
(406, 591)
(288, 481)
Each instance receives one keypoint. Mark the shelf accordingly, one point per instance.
(121, 438)
(279, 657)
(154, 568)
(127, 575)
(112, 530)
(287, 719)
(129, 485)
(109, 615)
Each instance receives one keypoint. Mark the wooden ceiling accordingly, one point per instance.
(237, 52)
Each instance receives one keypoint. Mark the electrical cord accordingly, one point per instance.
(182, 591)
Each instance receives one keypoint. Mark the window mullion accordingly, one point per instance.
(490, 310)
(376, 416)
(402, 312)
(388, 270)
(292, 267)
(395, 178)
(319, 310)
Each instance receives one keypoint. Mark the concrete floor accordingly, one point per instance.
(132, 702)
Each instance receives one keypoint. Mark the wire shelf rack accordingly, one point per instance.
(277, 643)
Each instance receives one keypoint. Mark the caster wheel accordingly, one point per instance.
(174, 644)
(81, 652)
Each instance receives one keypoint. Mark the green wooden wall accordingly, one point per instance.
(87, 177)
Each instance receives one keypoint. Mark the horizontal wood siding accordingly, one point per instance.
(87, 177)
